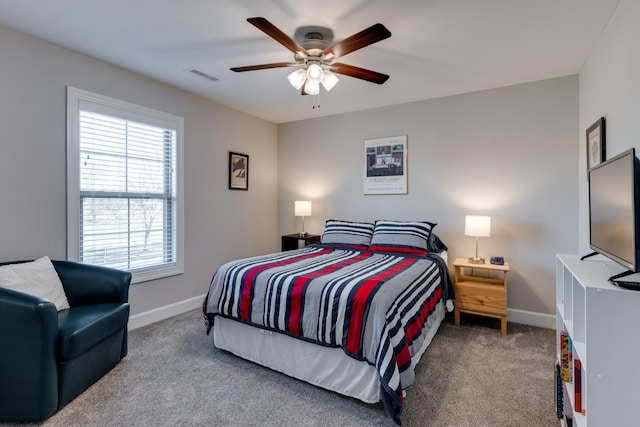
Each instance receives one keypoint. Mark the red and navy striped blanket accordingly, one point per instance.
(376, 306)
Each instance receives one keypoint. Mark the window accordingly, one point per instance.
(124, 186)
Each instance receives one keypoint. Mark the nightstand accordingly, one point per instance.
(486, 296)
(292, 241)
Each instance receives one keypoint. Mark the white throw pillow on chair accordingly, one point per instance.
(37, 278)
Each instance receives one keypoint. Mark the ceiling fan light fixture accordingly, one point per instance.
(297, 78)
(311, 87)
(329, 80)
(315, 73)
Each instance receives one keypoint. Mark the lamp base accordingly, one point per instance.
(304, 234)
(476, 260)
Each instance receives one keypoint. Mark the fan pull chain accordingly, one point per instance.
(316, 97)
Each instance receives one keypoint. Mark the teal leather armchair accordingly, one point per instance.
(47, 358)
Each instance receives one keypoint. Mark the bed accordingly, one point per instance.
(352, 314)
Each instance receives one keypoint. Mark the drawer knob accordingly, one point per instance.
(481, 301)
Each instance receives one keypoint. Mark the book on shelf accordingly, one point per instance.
(577, 385)
(559, 391)
(566, 356)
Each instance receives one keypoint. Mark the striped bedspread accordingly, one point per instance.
(376, 306)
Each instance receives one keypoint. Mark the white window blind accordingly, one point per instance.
(127, 197)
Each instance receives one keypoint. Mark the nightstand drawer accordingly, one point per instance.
(481, 297)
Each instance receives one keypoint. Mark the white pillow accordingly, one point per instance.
(37, 278)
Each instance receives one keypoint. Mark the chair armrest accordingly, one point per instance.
(86, 284)
(28, 334)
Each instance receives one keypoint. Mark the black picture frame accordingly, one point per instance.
(238, 171)
(596, 143)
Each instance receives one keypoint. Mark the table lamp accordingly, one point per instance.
(477, 226)
(302, 208)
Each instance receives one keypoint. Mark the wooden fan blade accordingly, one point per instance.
(272, 31)
(359, 73)
(364, 38)
(263, 66)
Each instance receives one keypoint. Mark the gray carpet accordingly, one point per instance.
(173, 376)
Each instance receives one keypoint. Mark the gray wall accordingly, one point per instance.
(610, 87)
(509, 153)
(219, 224)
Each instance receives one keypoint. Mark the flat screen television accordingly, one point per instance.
(614, 209)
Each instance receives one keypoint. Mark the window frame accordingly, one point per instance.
(78, 99)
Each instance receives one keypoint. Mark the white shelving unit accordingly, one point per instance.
(603, 322)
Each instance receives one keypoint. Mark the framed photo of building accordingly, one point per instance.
(385, 165)
(238, 171)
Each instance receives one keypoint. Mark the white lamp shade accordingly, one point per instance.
(477, 225)
(302, 208)
(329, 80)
(315, 73)
(297, 78)
(311, 87)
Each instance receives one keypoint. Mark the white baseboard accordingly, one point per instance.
(531, 318)
(161, 313)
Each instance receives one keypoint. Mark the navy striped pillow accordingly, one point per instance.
(347, 232)
(402, 236)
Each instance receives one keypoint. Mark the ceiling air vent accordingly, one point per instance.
(204, 75)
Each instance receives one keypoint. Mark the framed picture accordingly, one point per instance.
(238, 171)
(385, 165)
(596, 152)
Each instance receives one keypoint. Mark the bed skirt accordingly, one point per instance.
(325, 367)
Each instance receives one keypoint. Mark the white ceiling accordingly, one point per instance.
(437, 47)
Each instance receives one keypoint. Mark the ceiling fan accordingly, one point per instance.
(314, 55)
